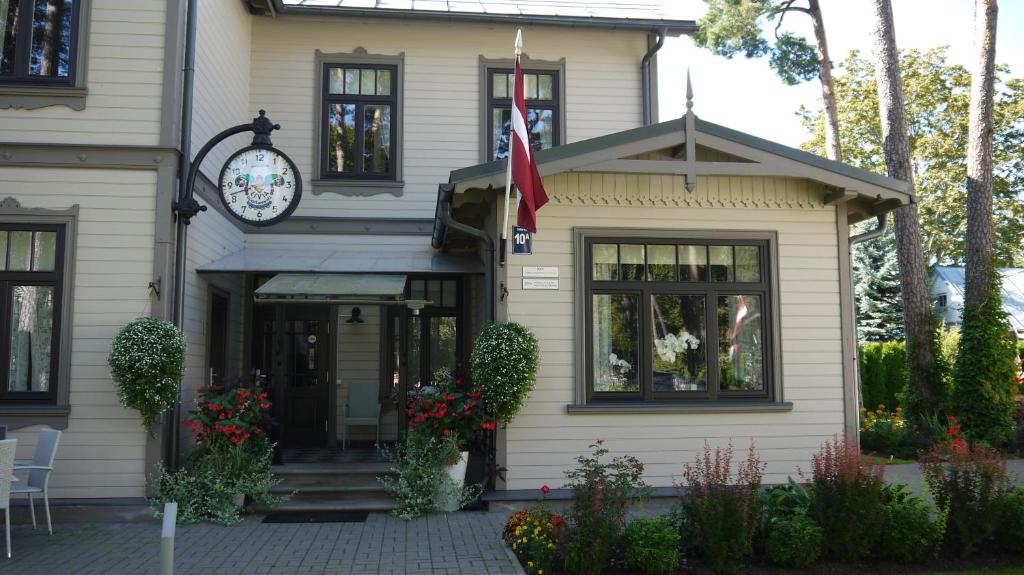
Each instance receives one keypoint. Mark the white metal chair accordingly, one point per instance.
(362, 408)
(7, 447)
(39, 473)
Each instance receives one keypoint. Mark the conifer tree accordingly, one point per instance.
(876, 276)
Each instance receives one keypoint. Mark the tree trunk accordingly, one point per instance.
(833, 147)
(979, 155)
(917, 310)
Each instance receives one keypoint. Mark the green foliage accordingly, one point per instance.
(731, 27)
(206, 488)
(911, 533)
(1010, 531)
(534, 539)
(652, 545)
(422, 484)
(984, 395)
(794, 541)
(722, 511)
(505, 359)
(780, 502)
(876, 279)
(147, 360)
(883, 372)
(846, 499)
(937, 95)
(601, 494)
(882, 430)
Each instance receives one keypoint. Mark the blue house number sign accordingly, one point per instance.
(522, 241)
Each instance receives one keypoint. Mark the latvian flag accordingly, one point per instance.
(529, 189)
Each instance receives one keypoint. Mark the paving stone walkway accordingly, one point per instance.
(465, 543)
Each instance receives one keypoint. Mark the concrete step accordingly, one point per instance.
(304, 484)
(372, 468)
(311, 505)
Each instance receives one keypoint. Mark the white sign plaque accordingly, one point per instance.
(540, 271)
(540, 283)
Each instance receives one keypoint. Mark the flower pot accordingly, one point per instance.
(457, 472)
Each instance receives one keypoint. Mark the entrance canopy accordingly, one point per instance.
(333, 288)
(381, 259)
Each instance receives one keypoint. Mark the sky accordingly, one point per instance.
(746, 95)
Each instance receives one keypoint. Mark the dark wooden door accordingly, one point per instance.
(218, 345)
(306, 387)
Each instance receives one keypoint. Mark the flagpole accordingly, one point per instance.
(508, 175)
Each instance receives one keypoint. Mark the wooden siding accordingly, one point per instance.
(223, 34)
(125, 79)
(102, 451)
(542, 442)
(441, 127)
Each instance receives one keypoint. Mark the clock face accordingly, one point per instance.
(260, 185)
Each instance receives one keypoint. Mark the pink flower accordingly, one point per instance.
(545, 489)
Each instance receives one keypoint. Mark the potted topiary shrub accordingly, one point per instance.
(147, 360)
(505, 358)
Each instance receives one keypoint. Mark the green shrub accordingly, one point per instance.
(780, 502)
(883, 372)
(535, 537)
(1010, 531)
(722, 511)
(882, 431)
(504, 359)
(147, 360)
(984, 396)
(794, 541)
(846, 499)
(652, 545)
(422, 484)
(911, 533)
(601, 495)
(967, 483)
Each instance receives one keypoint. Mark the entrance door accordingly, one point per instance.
(218, 343)
(306, 377)
(434, 338)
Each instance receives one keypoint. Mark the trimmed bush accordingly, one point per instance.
(652, 545)
(794, 541)
(911, 533)
(1010, 533)
(505, 358)
(883, 372)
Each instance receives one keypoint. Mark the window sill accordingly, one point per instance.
(691, 407)
(16, 416)
(358, 187)
(31, 97)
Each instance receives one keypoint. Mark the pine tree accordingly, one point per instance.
(876, 277)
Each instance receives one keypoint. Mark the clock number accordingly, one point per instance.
(284, 171)
(259, 156)
(259, 215)
(235, 171)
(243, 209)
(274, 209)
(234, 199)
(230, 185)
(288, 185)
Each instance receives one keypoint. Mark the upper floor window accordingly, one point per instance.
(543, 109)
(40, 40)
(360, 116)
(31, 262)
(678, 319)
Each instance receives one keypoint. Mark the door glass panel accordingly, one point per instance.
(740, 343)
(721, 263)
(680, 353)
(341, 143)
(44, 251)
(51, 38)
(449, 291)
(661, 263)
(20, 251)
(414, 368)
(616, 343)
(632, 261)
(605, 261)
(417, 289)
(377, 138)
(693, 263)
(434, 291)
(3, 250)
(443, 338)
(31, 338)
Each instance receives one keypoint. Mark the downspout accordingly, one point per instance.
(446, 193)
(871, 234)
(171, 427)
(645, 76)
(854, 240)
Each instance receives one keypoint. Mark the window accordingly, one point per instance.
(31, 259)
(941, 301)
(542, 91)
(360, 119)
(677, 319)
(40, 39)
(434, 339)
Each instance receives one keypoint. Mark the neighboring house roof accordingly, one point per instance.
(1012, 290)
(623, 14)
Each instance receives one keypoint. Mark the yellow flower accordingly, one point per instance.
(540, 572)
(894, 427)
(881, 407)
(871, 414)
(529, 563)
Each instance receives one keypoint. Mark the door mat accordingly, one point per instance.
(318, 517)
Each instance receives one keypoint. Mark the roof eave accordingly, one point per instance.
(671, 27)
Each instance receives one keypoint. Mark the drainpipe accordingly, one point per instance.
(871, 234)
(171, 427)
(861, 237)
(645, 76)
(447, 192)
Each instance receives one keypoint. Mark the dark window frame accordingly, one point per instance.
(766, 288)
(492, 102)
(23, 49)
(55, 279)
(360, 101)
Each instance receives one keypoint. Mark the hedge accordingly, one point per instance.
(883, 373)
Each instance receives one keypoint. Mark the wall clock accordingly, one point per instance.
(260, 185)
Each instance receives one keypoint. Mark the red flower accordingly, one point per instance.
(489, 425)
(264, 405)
(446, 433)
(545, 489)
(222, 416)
(951, 418)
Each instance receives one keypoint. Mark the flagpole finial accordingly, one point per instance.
(519, 41)
(689, 91)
